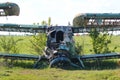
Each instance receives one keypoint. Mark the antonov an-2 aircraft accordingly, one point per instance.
(60, 49)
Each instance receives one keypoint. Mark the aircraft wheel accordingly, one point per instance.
(60, 62)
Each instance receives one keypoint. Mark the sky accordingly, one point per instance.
(60, 11)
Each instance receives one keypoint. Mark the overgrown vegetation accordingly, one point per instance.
(8, 44)
(38, 43)
(101, 41)
(78, 48)
(57, 74)
(24, 44)
(88, 47)
(107, 70)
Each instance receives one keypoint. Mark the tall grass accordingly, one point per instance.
(57, 74)
(101, 41)
(24, 44)
(8, 44)
(86, 43)
(38, 43)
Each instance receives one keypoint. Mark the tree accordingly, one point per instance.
(43, 23)
(101, 41)
(38, 43)
(49, 21)
(9, 44)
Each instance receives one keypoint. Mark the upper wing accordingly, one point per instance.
(23, 28)
(100, 21)
(9, 9)
(98, 28)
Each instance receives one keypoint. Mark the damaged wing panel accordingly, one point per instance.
(9, 9)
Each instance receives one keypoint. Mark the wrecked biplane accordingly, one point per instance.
(60, 48)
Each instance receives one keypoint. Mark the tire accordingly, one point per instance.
(60, 62)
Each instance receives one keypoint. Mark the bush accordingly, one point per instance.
(9, 44)
(38, 43)
(78, 48)
(101, 41)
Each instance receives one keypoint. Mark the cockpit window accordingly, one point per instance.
(53, 34)
(59, 36)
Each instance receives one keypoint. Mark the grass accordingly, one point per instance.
(85, 41)
(107, 70)
(57, 74)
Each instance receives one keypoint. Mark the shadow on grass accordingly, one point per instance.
(22, 64)
(101, 64)
(97, 65)
(89, 65)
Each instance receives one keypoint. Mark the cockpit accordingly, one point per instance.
(55, 38)
(57, 35)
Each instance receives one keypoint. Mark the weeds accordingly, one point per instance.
(38, 43)
(101, 41)
(9, 44)
(78, 48)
